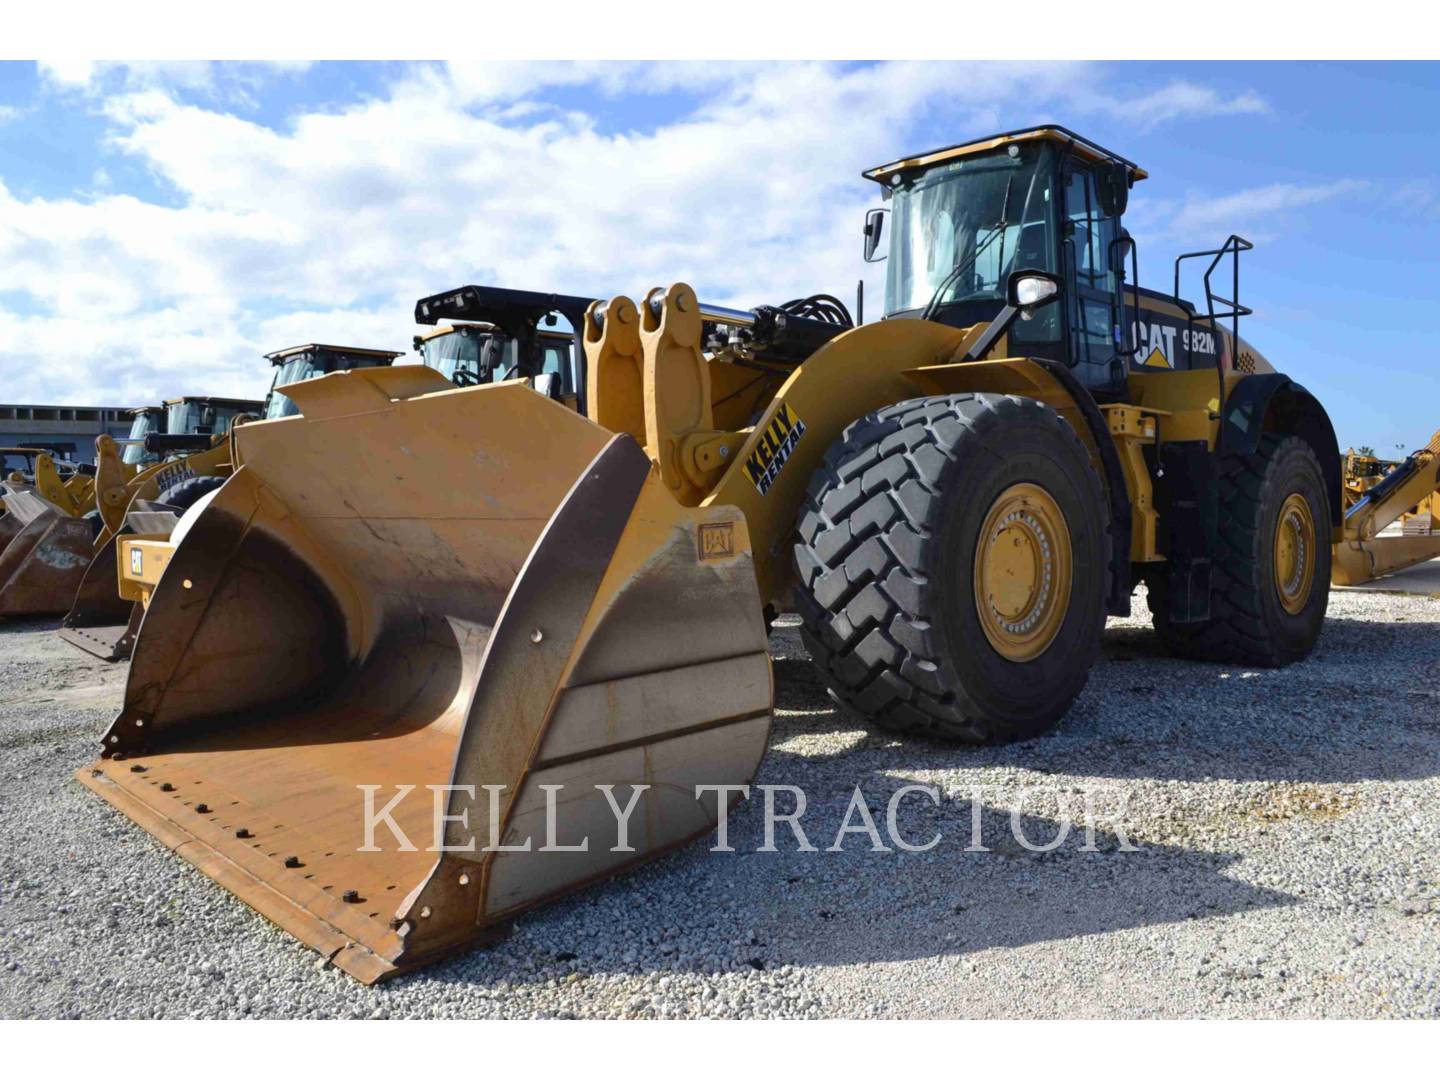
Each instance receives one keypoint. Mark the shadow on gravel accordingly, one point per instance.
(1360, 708)
(699, 910)
(705, 911)
(28, 624)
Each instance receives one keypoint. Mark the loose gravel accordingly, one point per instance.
(1284, 827)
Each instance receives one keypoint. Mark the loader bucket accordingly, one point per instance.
(100, 621)
(45, 560)
(421, 592)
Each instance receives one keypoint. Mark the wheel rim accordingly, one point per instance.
(1294, 553)
(1023, 566)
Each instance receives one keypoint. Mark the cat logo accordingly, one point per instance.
(717, 540)
(137, 562)
(777, 442)
(1156, 359)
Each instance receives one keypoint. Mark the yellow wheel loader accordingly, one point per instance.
(64, 524)
(507, 334)
(403, 672)
(43, 530)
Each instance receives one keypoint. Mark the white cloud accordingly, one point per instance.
(227, 80)
(1179, 100)
(1205, 218)
(331, 228)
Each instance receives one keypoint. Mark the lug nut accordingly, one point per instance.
(350, 896)
(202, 808)
(293, 862)
(243, 834)
(137, 768)
(167, 786)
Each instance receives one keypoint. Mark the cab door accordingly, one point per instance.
(1093, 296)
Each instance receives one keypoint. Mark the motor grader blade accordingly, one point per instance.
(404, 587)
(101, 621)
(45, 560)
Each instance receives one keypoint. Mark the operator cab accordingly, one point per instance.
(470, 354)
(497, 334)
(205, 415)
(301, 362)
(149, 420)
(964, 218)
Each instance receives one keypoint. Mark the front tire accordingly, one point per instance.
(952, 559)
(1270, 577)
(189, 491)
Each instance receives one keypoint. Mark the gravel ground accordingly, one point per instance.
(1285, 864)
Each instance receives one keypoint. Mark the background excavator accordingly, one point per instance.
(483, 589)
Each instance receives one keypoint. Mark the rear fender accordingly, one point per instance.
(1275, 403)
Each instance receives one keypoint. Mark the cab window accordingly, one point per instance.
(1088, 239)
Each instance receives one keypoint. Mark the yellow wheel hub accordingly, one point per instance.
(1023, 569)
(1294, 553)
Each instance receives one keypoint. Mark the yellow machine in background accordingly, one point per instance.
(409, 584)
(44, 531)
(189, 447)
(1405, 494)
(1362, 472)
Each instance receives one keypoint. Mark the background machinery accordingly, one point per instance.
(1389, 518)
(487, 591)
(104, 615)
(499, 334)
(42, 527)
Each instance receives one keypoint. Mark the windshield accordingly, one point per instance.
(182, 417)
(958, 230)
(296, 369)
(24, 464)
(462, 352)
(198, 417)
(152, 420)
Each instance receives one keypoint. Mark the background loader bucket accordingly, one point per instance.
(45, 560)
(399, 589)
(100, 621)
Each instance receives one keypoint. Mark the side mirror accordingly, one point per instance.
(1112, 188)
(1030, 290)
(874, 230)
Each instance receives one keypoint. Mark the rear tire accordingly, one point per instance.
(890, 555)
(1261, 616)
(189, 491)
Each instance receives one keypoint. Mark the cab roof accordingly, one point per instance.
(223, 402)
(484, 328)
(450, 328)
(282, 355)
(1078, 144)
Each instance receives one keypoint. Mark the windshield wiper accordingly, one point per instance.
(998, 229)
(960, 268)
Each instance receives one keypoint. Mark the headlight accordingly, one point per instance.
(1030, 291)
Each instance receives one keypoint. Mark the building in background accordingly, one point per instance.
(67, 431)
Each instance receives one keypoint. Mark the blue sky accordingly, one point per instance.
(162, 225)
